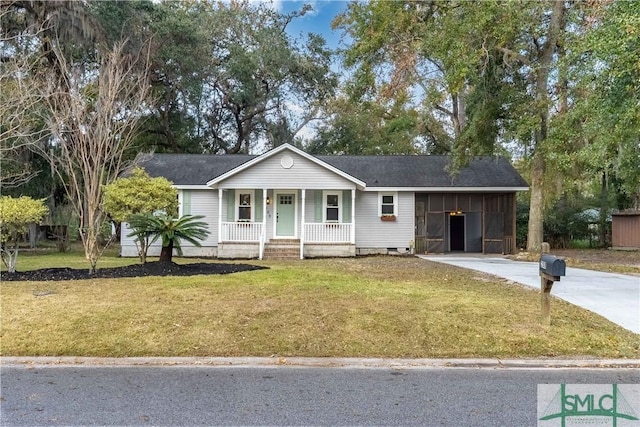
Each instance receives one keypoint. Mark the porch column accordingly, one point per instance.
(219, 215)
(353, 216)
(264, 211)
(302, 227)
(263, 232)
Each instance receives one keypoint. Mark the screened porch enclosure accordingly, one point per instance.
(465, 222)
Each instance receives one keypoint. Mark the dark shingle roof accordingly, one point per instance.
(427, 171)
(191, 169)
(375, 171)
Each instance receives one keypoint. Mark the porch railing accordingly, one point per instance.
(313, 232)
(241, 231)
(327, 232)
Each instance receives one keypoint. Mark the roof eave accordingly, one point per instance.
(450, 189)
(215, 181)
(191, 187)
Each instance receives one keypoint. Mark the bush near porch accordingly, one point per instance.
(367, 307)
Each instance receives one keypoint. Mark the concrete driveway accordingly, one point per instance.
(613, 296)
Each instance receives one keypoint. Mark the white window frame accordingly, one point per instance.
(180, 202)
(252, 206)
(325, 206)
(394, 194)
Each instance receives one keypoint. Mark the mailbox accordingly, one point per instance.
(552, 267)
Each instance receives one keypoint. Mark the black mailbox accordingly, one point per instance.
(552, 266)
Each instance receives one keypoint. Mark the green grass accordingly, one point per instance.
(366, 307)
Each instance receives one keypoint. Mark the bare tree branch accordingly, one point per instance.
(94, 117)
(21, 115)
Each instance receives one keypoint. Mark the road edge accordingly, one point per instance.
(317, 362)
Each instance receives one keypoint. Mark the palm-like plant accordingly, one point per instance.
(142, 231)
(171, 230)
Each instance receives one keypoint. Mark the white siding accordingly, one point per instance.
(203, 202)
(371, 232)
(128, 248)
(310, 211)
(269, 214)
(304, 173)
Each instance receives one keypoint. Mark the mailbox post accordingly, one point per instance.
(551, 269)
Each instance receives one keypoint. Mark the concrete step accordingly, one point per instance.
(282, 249)
(283, 242)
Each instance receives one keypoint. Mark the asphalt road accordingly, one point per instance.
(615, 297)
(194, 396)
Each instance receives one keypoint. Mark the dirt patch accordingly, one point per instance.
(601, 256)
(135, 270)
(624, 262)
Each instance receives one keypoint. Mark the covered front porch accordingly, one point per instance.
(298, 222)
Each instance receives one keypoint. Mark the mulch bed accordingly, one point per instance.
(135, 270)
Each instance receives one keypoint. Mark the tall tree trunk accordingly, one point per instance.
(604, 211)
(536, 205)
(545, 59)
(167, 252)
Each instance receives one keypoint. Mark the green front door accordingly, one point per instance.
(286, 215)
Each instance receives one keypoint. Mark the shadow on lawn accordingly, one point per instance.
(135, 270)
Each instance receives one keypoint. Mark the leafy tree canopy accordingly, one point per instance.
(226, 76)
(139, 193)
(16, 213)
(15, 216)
(605, 118)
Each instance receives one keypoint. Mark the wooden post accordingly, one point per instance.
(545, 299)
(514, 226)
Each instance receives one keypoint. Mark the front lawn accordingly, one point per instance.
(366, 307)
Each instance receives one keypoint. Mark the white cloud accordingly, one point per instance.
(315, 8)
(272, 4)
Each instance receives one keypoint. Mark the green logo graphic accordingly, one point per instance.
(600, 401)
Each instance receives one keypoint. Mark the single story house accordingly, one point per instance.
(288, 202)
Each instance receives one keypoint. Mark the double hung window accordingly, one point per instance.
(388, 204)
(332, 206)
(244, 202)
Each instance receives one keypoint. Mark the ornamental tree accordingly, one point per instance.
(171, 230)
(15, 216)
(139, 194)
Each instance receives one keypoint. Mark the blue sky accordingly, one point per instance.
(317, 21)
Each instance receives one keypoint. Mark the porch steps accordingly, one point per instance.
(282, 249)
